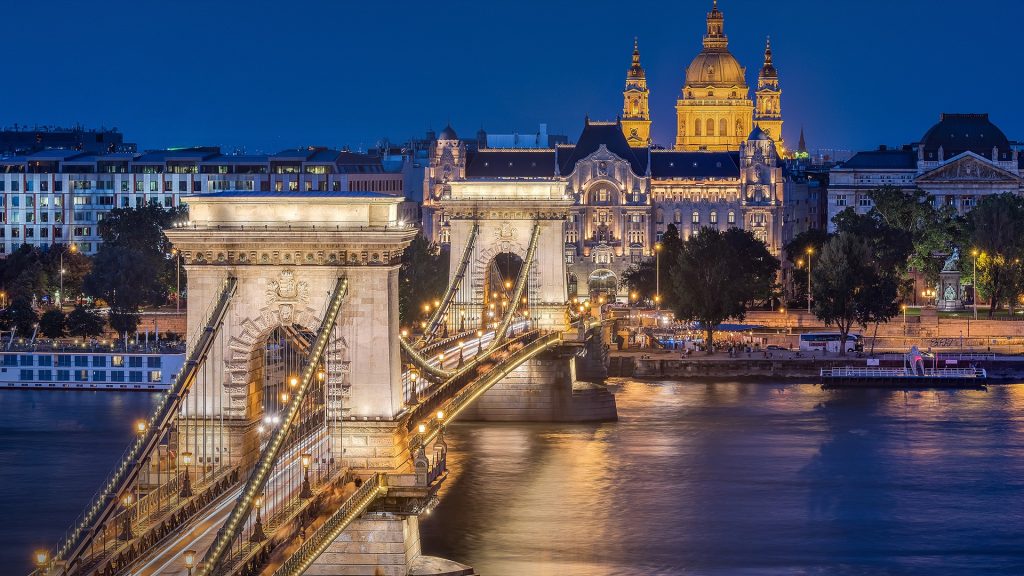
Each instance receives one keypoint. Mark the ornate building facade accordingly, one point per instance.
(624, 197)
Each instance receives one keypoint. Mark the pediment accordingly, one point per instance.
(968, 167)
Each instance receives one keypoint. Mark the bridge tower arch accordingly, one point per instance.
(286, 254)
(493, 220)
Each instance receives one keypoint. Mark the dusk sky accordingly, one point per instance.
(272, 75)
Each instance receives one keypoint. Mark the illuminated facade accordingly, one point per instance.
(714, 111)
(636, 113)
(623, 197)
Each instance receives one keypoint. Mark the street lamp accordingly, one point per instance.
(177, 299)
(657, 274)
(126, 531)
(258, 535)
(974, 286)
(810, 252)
(190, 560)
(41, 558)
(904, 308)
(60, 298)
(307, 491)
(186, 483)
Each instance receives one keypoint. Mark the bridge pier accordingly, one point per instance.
(544, 389)
(371, 445)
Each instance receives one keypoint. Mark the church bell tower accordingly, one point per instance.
(636, 116)
(768, 110)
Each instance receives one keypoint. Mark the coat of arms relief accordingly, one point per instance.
(286, 293)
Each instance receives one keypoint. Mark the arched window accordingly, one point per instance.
(696, 128)
(714, 217)
(659, 216)
(723, 128)
(732, 217)
(678, 216)
(695, 217)
(710, 127)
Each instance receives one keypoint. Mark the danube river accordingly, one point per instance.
(696, 478)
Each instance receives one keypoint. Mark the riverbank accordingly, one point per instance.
(783, 364)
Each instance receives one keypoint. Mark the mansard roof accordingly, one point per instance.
(594, 135)
(957, 133)
(882, 159)
(696, 165)
(511, 163)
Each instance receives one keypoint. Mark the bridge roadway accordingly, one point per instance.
(201, 531)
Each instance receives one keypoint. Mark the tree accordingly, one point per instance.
(83, 322)
(24, 275)
(21, 317)
(123, 321)
(76, 267)
(850, 286)
(932, 231)
(52, 323)
(717, 274)
(996, 228)
(423, 277)
(642, 276)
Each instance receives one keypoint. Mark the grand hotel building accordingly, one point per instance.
(724, 171)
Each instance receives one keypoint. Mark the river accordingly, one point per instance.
(715, 478)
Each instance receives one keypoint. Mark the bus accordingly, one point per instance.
(829, 342)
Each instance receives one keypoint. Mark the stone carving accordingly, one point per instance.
(506, 231)
(968, 168)
(287, 293)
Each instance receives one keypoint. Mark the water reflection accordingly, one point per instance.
(744, 478)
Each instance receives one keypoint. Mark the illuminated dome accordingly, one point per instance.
(715, 66)
(715, 69)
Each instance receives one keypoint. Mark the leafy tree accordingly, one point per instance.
(996, 227)
(851, 287)
(76, 267)
(717, 274)
(84, 322)
(20, 316)
(123, 321)
(423, 277)
(890, 246)
(52, 323)
(642, 277)
(24, 274)
(933, 231)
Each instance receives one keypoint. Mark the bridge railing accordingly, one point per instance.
(322, 537)
(105, 502)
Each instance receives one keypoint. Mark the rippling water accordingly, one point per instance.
(744, 479)
(698, 479)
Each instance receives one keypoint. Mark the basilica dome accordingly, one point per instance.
(715, 68)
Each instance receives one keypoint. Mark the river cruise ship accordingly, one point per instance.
(92, 366)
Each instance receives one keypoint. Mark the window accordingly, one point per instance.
(46, 375)
(696, 128)
(659, 216)
(135, 361)
(182, 186)
(25, 360)
(695, 217)
(63, 375)
(135, 376)
(732, 217)
(99, 361)
(677, 216)
(46, 360)
(840, 199)
(152, 185)
(81, 360)
(81, 375)
(153, 362)
(117, 361)
(722, 127)
(602, 195)
(714, 217)
(99, 375)
(26, 376)
(63, 360)
(117, 375)
(864, 202)
(139, 186)
(154, 375)
(710, 127)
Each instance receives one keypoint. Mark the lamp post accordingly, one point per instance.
(190, 560)
(810, 251)
(974, 282)
(41, 558)
(186, 483)
(60, 298)
(258, 535)
(177, 298)
(904, 307)
(126, 530)
(307, 491)
(657, 274)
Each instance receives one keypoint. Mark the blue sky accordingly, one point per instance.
(271, 75)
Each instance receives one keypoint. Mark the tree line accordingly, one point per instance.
(133, 268)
